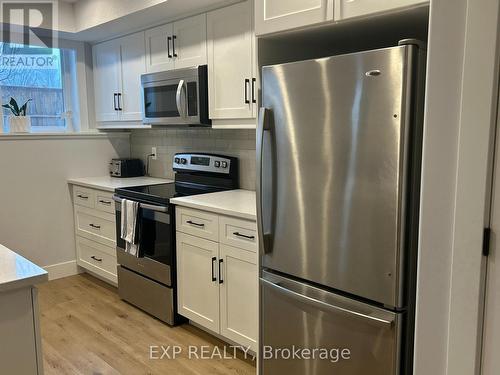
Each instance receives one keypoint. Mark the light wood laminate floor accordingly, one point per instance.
(87, 329)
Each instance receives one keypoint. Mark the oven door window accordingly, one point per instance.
(159, 101)
(156, 237)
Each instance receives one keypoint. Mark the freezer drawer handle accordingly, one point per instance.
(324, 305)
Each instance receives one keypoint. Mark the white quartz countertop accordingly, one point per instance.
(108, 183)
(238, 203)
(18, 272)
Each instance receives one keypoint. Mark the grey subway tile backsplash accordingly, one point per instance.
(238, 143)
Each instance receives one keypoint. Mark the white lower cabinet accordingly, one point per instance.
(197, 283)
(217, 283)
(95, 232)
(238, 296)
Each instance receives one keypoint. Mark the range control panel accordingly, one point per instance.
(202, 163)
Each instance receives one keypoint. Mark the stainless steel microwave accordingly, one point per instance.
(176, 97)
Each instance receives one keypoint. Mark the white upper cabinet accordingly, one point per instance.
(231, 62)
(278, 15)
(190, 42)
(354, 8)
(118, 65)
(106, 80)
(133, 64)
(159, 55)
(177, 45)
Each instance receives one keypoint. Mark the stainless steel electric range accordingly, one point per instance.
(149, 280)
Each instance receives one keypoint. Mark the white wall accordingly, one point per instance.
(461, 88)
(90, 13)
(36, 214)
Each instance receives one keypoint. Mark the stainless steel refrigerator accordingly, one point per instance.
(338, 175)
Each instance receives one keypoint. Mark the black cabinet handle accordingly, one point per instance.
(168, 47)
(115, 97)
(96, 259)
(107, 203)
(220, 271)
(120, 102)
(174, 37)
(254, 80)
(82, 196)
(238, 234)
(247, 83)
(213, 271)
(195, 224)
(95, 226)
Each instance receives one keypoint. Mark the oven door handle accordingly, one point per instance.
(145, 205)
(180, 98)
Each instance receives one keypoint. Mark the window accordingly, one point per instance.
(47, 78)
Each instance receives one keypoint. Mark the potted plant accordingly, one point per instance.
(18, 121)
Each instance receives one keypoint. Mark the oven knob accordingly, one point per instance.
(183, 161)
(224, 164)
(217, 164)
(177, 160)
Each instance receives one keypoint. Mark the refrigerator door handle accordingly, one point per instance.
(263, 126)
(325, 306)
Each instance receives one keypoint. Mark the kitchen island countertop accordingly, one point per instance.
(18, 272)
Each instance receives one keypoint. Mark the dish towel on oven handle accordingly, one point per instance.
(129, 227)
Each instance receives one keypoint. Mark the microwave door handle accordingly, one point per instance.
(181, 104)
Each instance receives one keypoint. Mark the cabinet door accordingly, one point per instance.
(355, 8)
(190, 42)
(239, 296)
(230, 61)
(106, 80)
(277, 15)
(159, 55)
(133, 64)
(197, 282)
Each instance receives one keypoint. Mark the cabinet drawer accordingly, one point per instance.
(198, 223)
(104, 202)
(238, 233)
(95, 225)
(83, 196)
(96, 258)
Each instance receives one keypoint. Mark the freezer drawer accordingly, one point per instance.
(296, 316)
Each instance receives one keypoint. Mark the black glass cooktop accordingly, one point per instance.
(161, 194)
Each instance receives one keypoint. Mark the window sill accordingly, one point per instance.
(83, 135)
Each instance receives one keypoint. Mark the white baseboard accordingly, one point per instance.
(60, 270)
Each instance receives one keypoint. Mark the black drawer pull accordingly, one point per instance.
(195, 224)
(213, 271)
(247, 84)
(95, 226)
(96, 259)
(82, 196)
(238, 234)
(108, 203)
(220, 271)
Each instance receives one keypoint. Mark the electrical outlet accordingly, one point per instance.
(153, 153)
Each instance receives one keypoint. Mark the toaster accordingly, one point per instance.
(126, 168)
